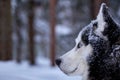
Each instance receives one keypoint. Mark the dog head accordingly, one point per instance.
(77, 61)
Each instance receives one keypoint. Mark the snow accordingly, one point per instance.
(42, 71)
(62, 30)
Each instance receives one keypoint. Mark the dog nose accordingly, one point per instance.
(58, 61)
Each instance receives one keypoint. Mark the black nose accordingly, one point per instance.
(58, 61)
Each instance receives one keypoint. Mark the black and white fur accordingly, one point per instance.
(107, 27)
(96, 55)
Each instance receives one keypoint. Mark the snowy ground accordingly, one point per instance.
(42, 71)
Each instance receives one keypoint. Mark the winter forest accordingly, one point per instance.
(33, 33)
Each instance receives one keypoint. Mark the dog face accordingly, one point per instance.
(75, 61)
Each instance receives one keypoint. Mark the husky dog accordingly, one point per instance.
(96, 55)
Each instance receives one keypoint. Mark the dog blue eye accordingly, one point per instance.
(79, 45)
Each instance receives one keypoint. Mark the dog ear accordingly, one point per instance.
(104, 15)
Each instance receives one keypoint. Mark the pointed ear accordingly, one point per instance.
(104, 14)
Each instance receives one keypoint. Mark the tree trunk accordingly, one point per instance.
(52, 35)
(95, 6)
(6, 30)
(18, 26)
(31, 33)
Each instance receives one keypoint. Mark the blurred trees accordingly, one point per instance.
(44, 27)
(5, 30)
(20, 28)
(52, 25)
(18, 25)
(31, 32)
